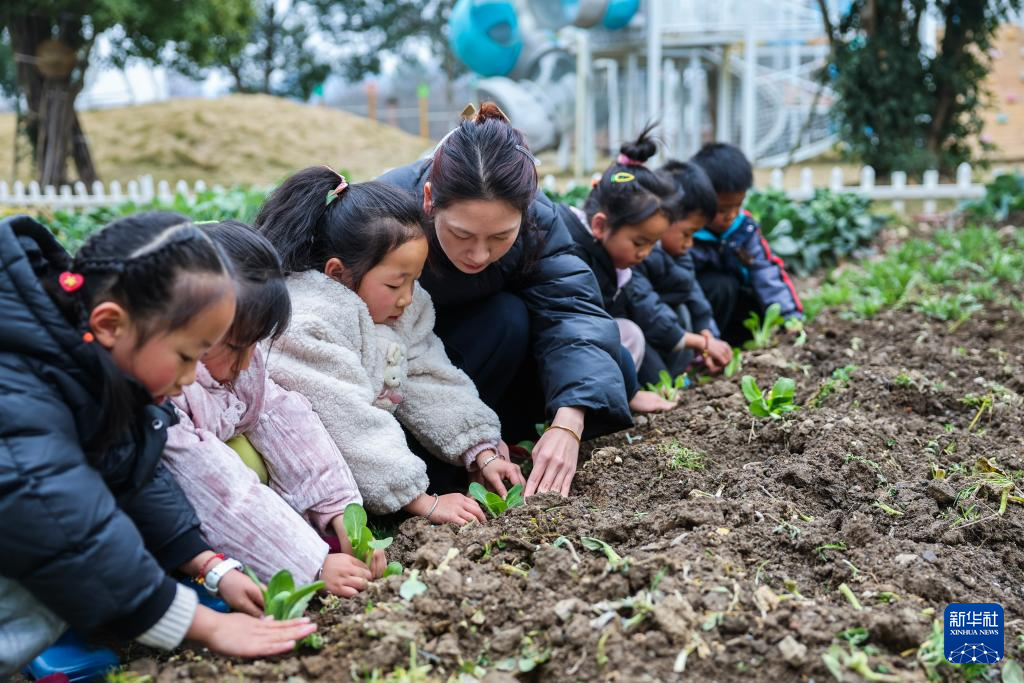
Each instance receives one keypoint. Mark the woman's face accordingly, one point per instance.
(474, 233)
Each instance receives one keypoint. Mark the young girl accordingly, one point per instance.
(361, 347)
(89, 349)
(625, 215)
(263, 526)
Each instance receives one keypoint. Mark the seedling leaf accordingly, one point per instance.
(751, 391)
(393, 569)
(412, 586)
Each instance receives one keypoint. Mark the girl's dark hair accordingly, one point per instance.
(726, 166)
(158, 266)
(263, 307)
(628, 192)
(697, 194)
(360, 227)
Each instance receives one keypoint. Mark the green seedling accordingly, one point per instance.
(981, 403)
(988, 478)
(283, 600)
(362, 540)
(683, 457)
(775, 404)
(412, 586)
(931, 657)
(889, 510)
(668, 387)
(763, 330)
(840, 380)
(822, 550)
(838, 660)
(615, 561)
(495, 505)
(736, 364)
(851, 598)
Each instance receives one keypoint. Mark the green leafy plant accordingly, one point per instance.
(615, 561)
(283, 600)
(362, 540)
(775, 404)
(735, 365)
(668, 387)
(412, 586)
(763, 330)
(932, 659)
(817, 232)
(495, 505)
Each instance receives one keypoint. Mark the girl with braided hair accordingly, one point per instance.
(90, 349)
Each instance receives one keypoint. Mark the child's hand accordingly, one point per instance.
(241, 594)
(345, 575)
(240, 635)
(719, 354)
(493, 470)
(378, 563)
(451, 508)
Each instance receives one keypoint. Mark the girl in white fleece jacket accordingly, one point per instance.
(361, 346)
(268, 521)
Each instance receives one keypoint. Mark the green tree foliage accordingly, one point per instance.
(186, 35)
(406, 29)
(900, 109)
(278, 57)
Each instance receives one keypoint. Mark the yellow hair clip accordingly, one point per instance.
(623, 177)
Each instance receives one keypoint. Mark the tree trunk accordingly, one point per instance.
(51, 122)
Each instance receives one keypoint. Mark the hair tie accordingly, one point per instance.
(71, 282)
(626, 160)
(336, 192)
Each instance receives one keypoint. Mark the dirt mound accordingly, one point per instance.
(239, 139)
(736, 538)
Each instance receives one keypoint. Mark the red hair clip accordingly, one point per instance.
(71, 282)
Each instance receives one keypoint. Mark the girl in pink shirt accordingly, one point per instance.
(276, 524)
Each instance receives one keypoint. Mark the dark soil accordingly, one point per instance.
(734, 551)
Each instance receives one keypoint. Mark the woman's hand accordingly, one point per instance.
(240, 635)
(241, 594)
(344, 575)
(492, 470)
(453, 508)
(556, 454)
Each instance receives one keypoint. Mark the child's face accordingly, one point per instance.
(629, 245)
(729, 205)
(678, 239)
(474, 233)
(225, 361)
(387, 287)
(166, 362)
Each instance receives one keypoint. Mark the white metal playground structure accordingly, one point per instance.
(741, 71)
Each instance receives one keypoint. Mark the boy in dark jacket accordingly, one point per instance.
(735, 266)
(670, 270)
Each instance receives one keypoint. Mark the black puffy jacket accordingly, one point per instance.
(636, 301)
(674, 280)
(575, 342)
(91, 535)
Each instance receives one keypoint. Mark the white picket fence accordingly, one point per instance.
(930, 191)
(144, 190)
